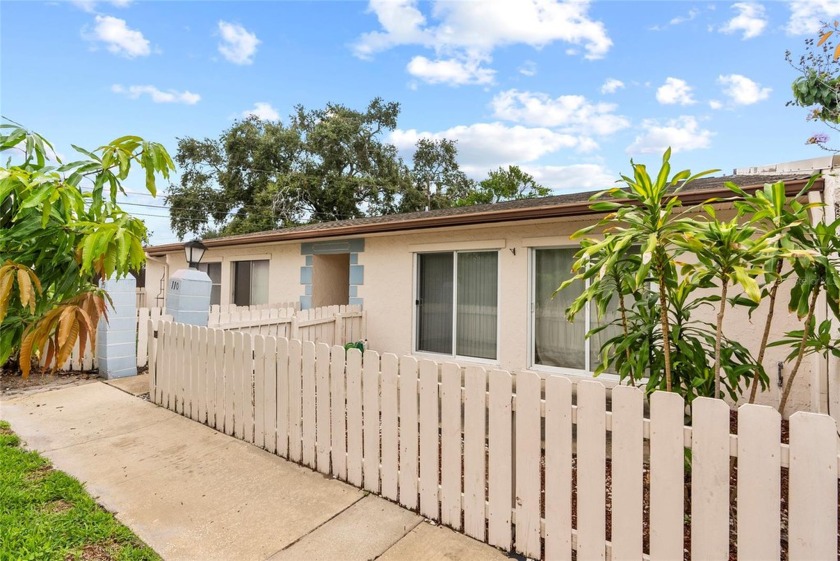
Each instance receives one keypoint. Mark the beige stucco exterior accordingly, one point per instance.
(388, 295)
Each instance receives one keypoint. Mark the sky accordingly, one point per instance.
(568, 91)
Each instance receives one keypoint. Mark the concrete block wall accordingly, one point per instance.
(116, 339)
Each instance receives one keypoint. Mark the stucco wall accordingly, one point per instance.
(389, 283)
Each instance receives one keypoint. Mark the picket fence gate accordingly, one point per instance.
(333, 325)
(493, 455)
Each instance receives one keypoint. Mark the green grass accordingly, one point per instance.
(46, 514)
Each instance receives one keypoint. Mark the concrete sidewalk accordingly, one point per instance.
(193, 493)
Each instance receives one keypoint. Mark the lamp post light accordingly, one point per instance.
(194, 251)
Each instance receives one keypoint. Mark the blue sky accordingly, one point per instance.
(567, 91)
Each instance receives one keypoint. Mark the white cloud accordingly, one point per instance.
(462, 30)
(611, 86)
(572, 113)
(715, 104)
(751, 20)
(90, 5)
(119, 38)
(806, 16)
(156, 95)
(490, 144)
(692, 13)
(528, 68)
(743, 91)
(576, 177)
(674, 92)
(681, 134)
(262, 110)
(452, 71)
(238, 44)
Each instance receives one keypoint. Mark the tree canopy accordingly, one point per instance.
(320, 165)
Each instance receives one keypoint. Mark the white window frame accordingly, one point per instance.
(587, 371)
(221, 283)
(232, 274)
(416, 295)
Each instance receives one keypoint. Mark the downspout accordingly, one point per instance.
(160, 299)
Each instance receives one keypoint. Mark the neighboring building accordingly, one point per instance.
(471, 284)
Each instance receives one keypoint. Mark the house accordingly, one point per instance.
(472, 284)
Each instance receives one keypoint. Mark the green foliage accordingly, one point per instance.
(61, 227)
(817, 88)
(321, 165)
(504, 185)
(646, 233)
(360, 345)
(46, 514)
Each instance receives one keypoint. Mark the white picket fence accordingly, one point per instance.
(333, 325)
(218, 314)
(495, 455)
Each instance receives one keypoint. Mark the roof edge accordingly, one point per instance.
(486, 217)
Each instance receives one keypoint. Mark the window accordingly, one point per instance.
(250, 282)
(214, 271)
(457, 303)
(556, 342)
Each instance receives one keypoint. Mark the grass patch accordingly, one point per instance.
(46, 514)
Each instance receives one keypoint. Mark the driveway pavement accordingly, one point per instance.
(191, 492)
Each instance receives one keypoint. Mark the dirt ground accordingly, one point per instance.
(12, 383)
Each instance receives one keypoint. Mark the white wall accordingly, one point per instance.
(389, 279)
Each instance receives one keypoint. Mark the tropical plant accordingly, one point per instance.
(641, 214)
(61, 231)
(816, 270)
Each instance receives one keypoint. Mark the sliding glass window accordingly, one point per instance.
(457, 303)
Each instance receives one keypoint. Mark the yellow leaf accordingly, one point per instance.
(82, 341)
(6, 281)
(64, 325)
(27, 298)
(824, 37)
(25, 358)
(837, 52)
(67, 347)
(50, 352)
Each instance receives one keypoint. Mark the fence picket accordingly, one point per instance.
(370, 398)
(759, 434)
(244, 416)
(194, 360)
(666, 476)
(500, 474)
(295, 404)
(151, 343)
(591, 452)
(390, 438)
(354, 417)
(627, 476)
(219, 375)
(322, 405)
(475, 474)
(408, 432)
(309, 412)
(710, 479)
(528, 464)
(201, 355)
(259, 390)
(339, 413)
(183, 368)
(283, 399)
(429, 424)
(450, 475)
(229, 377)
(558, 463)
(269, 407)
(812, 502)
